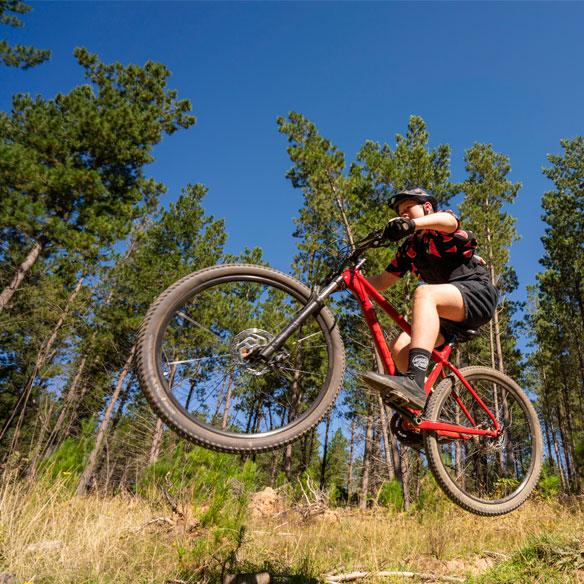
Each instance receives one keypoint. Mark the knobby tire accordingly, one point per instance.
(483, 482)
(154, 378)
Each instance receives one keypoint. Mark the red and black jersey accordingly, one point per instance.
(439, 258)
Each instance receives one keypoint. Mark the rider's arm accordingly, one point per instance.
(383, 281)
(442, 221)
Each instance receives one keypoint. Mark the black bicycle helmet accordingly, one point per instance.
(417, 194)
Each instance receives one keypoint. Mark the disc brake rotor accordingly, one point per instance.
(244, 344)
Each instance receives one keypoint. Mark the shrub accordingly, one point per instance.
(391, 496)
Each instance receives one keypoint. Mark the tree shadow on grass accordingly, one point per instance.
(279, 573)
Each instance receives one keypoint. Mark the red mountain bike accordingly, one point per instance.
(246, 359)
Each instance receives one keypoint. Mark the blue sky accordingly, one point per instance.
(509, 74)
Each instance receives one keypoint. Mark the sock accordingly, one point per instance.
(418, 364)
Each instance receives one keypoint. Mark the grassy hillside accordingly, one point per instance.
(47, 535)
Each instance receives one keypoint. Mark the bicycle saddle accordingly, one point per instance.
(450, 329)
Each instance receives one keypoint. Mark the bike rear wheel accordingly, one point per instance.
(487, 476)
(193, 359)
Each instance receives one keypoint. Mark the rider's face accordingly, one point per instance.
(410, 209)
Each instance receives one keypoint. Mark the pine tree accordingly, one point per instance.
(21, 56)
(486, 190)
(71, 168)
(556, 319)
(183, 240)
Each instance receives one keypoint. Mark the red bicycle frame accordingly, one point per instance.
(364, 292)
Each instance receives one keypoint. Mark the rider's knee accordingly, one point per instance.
(424, 294)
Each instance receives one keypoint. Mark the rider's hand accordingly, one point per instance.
(398, 228)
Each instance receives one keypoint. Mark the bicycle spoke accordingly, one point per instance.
(199, 325)
(215, 357)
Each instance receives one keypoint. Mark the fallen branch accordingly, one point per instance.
(156, 520)
(316, 501)
(350, 577)
(496, 555)
(173, 504)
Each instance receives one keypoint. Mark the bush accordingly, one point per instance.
(546, 559)
(68, 460)
(216, 484)
(391, 496)
(549, 486)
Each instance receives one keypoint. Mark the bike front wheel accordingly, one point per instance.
(194, 367)
(484, 475)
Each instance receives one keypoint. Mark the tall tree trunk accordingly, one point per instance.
(500, 358)
(159, 427)
(68, 406)
(325, 451)
(156, 442)
(227, 404)
(341, 205)
(292, 411)
(375, 455)
(566, 447)
(366, 460)
(457, 443)
(21, 272)
(395, 460)
(563, 478)
(406, 475)
(120, 409)
(311, 441)
(40, 361)
(568, 418)
(351, 457)
(495, 321)
(303, 454)
(547, 431)
(288, 463)
(44, 419)
(103, 427)
(387, 446)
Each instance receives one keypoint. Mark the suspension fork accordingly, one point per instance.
(314, 305)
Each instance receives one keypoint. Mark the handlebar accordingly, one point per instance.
(373, 239)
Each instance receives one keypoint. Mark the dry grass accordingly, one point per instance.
(450, 542)
(46, 535)
(111, 539)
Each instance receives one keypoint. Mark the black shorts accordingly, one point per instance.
(480, 299)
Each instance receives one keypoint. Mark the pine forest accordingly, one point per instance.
(86, 246)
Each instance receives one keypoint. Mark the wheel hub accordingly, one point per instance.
(245, 344)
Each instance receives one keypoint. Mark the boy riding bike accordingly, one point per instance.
(244, 359)
(457, 293)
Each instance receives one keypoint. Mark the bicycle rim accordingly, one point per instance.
(202, 358)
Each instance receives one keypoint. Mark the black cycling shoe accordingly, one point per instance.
(403, 391)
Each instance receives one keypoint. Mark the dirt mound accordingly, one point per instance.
(266, 503)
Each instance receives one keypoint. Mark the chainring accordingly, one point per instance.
(406, 437)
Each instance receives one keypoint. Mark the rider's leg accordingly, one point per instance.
(431, 302)
(400, 350)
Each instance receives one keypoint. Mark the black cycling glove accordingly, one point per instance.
(398, 228)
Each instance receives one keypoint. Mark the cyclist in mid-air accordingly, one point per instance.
(457, 291)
